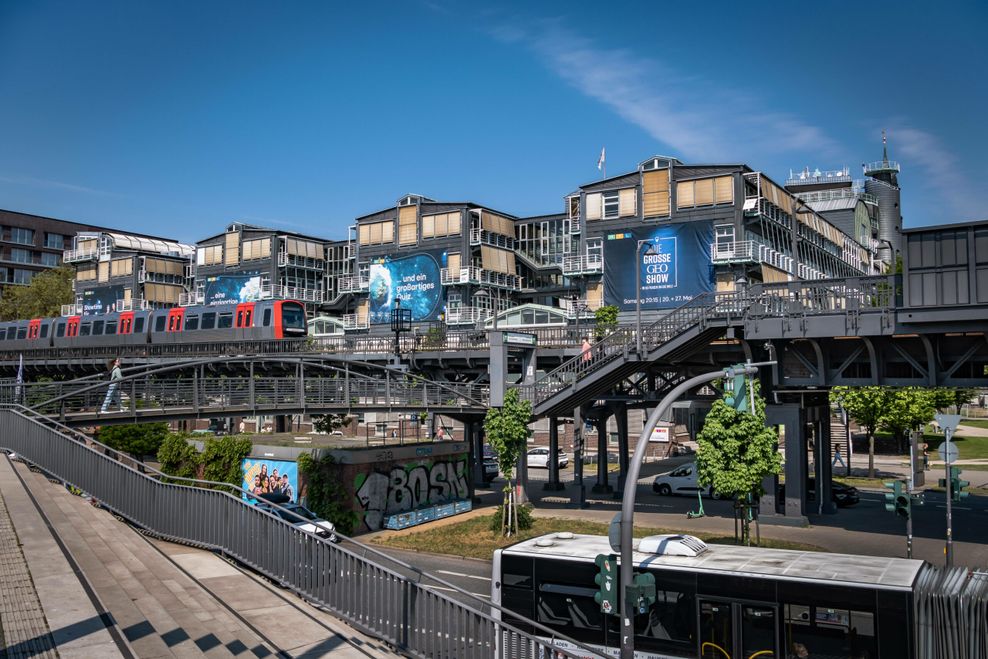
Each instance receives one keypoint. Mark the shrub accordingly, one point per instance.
(525, 518)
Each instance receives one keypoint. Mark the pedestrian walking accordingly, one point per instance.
(586, 350)
(837, 458)
(113, 391)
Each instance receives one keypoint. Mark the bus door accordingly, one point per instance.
(738, 630)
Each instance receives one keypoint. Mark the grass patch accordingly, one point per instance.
(474, 539)
(975, 423)
(971, 448)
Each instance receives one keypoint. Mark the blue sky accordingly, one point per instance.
(176, 118)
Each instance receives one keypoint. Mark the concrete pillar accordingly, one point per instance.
(553, 483)
(621, 418)
(791, 418)
(602, 486)
(823, 467)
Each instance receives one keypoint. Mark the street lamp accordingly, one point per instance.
(638, 289)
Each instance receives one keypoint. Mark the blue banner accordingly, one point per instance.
(412, 279)
(269, 477)
(233, 289)
(101, 300)
(675, 265)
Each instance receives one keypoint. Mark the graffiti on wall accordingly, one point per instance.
(407, 487)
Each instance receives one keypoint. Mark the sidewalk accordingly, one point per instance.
(159, 599)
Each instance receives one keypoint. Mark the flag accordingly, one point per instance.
(601, 159)
(20, 381)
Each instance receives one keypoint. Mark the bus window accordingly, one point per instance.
(60, 330)
(208, 320)
(159, 324)
(138, 325)
(191, 323)
(225, 321)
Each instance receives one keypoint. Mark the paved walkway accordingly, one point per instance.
(89, 585)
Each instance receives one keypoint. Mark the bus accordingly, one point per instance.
(731, 602)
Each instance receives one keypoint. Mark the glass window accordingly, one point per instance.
(84, 329)
(49, 259)
(55, 240)
(159, 323)
(138, 325)
(611, 204)
(60, 330)
(209, 320)
(827, 631)
(22, 276)
(44, 331)
(225, 320)
(22, 236)
(267, 318)
(191, 323)
(292, 316)
(97, 327)
(22, 332)
(110, 327)
(20, 255)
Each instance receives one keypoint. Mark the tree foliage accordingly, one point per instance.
(905, 409)
(42, 298)
(606, 320)
(945, 398)
(865, 405)
(222, 458)
(324, 492)
(507, 433)
(329, 422)
(178, 457)
(136, 439)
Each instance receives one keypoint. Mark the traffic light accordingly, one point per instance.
(642, 593)
(898, 500)
(736, 392)
(607, 581)
(957, 485)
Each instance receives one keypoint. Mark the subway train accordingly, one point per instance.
(265, 320)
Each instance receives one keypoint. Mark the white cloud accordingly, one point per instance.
(942, 174)
(699, 118)
(57, 185)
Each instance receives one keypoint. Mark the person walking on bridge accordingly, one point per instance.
(113, 391)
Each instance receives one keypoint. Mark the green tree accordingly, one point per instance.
(178, 457)
(906, 409)
(606, 319)
(507, 433)
(865, 405)
(324, 492)
(945, 398)
(43, 297)
(736, 452)
(223, 458)
(134, 439)
(329, 422)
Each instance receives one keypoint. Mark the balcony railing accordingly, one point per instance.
(466, 315)
(881, 166)
(279, 292)
(804, 271)
(133, 304)
(352, 321)
(77, 255)
(71, 309)
(474, 275)
(574, 224)
(582, 265)
(285, 259)
(190, 299)
(354, 283)
(482, 237)
(584, 306)
(749, 251)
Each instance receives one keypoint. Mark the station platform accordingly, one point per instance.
(77, 582)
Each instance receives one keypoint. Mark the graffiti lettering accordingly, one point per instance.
(408, 488)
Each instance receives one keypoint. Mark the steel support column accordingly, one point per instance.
(553, 483)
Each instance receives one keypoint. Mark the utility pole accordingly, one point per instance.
(949, 423)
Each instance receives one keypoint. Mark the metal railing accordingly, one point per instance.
(279, 292)
(77, 255)
(483, 237)
(353, 321)
(749, 251)
(375, 593)
(880, 294)
(133, 304)
(354, 283)
(836, 194)
(191, 299)
(467, 315)
(585, 264)
(475, 275)
(881, 166)
(71, 310)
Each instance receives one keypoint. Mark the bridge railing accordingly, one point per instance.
(373, 592)
(826, 297)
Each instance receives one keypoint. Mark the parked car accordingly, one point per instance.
(539, 457)
(681, 480)
(491, 470)
(309, 520)
(842, 494)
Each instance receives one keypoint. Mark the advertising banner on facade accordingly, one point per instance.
(677, 269)
(101, 300)
(412, 279)
(270, 477)
(233, 289)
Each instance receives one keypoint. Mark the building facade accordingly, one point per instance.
(30, 244)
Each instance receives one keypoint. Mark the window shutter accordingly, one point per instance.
(453, 262)
(593, 206)
(388, 231)
(655, 193)
(362, 308)
(363, 234)
(704, 192)
(595, 294)
(104, 271)
(232, 248)
(375, 233)
(407, 225)
(428, 226)
(684, 194)
(724, 190)
(627, 202)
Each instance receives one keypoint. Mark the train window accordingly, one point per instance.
(111, 327)
(225, 321)
(159, 324)
(9, 334)
(267, 318)
(240, 318)
(209, 320)
(97, 327)
(292, 316)
(44, 331)
(191, 323)
(138, 325)
(21, 332)
(248, 318)
(60, 330)
(83, 329)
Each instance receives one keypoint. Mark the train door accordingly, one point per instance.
(738, 630)
(126, 323)
(174, 324)
(34, 329)
(72, 326)
(244, 319)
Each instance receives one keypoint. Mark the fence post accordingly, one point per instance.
(195, 390)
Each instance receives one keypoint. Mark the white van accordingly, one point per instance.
(681, 480)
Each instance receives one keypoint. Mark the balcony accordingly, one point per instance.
(354, 284)
(804, 271)
(71, 309)
(133, 304)
(158, 278)
(466, 315)
(880, 167)
(839, 193)
(473, 275)
(574, 224)
(191, 299)
(285, 259)
(352, 321)
(749, 251)
(483, 237)
(584, 306)
(79, 255)
(279, 292)
(587, 264)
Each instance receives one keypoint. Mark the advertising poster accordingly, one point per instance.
(101, 300)
(233, 289)
(659, 434)
(269, 477)
(678, 270)
(413, 279)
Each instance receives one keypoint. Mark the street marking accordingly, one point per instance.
(461, 574)
(453, 590)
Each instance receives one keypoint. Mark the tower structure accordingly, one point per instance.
(882, 181)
